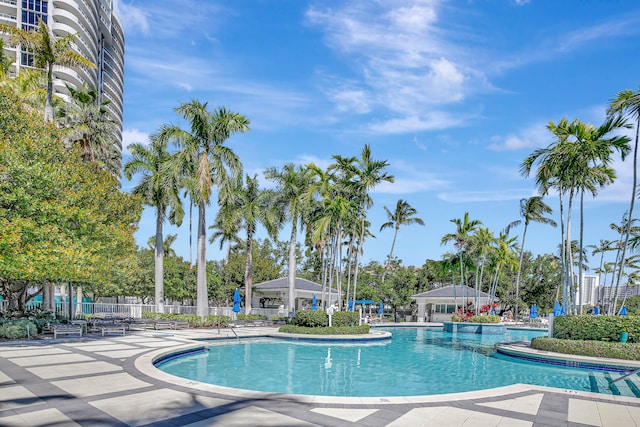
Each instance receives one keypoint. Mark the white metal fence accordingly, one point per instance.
(135, 310)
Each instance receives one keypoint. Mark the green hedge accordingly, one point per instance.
(598, 328)
(310, 319)
(484, 319)
(614, 350)
(194, 320)
(17, 329)
(333, 330)
(345, 318)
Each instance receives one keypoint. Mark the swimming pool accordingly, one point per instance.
(416, 361)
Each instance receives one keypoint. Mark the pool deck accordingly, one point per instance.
(110, 381)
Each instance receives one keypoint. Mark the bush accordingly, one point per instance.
(598, 328)
(252, 317)
(345, 318)
(333, 330)
(17, 329)
(614, 350)
(311, 319)
(484, 319)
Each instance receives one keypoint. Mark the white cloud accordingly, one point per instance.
(436, 120)
(532, 136)
(131, 136)
(185, 86)
(484, 196)
(132, 18)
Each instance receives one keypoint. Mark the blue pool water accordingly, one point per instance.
(416, 361)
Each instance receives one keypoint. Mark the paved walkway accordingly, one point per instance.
(108, 381)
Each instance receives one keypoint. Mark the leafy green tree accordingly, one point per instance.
(204, 161)
(48, 51)
(160, 187)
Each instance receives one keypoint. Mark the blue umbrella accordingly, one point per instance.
(365, 302)
(556, 309)
(533, 312)
(236, 301)
(314, 303)
(350, 304)
(380, 308)
(623, 310)
(596, 310)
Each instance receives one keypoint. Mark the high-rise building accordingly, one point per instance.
(590, 289)
(99, 38)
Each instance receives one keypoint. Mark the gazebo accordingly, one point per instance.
(274, 294)
(438, 305)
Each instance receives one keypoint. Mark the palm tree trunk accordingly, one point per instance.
(48, 108)
(393, 244)
(202, 296)
(292, 267)
(248, 273)
(524, 235)
(358, 250)
(159, 262)
(339, 264)
(580, 284)
(569, 254)
(633, 199)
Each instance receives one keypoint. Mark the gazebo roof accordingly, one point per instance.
(448, 292)
(283, 284)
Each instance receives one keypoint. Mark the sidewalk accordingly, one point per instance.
(96, 382)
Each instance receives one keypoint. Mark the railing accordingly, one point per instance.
(122, 310)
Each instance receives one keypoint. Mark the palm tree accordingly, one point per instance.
(461, 239)
(5, 62)
(160, 188)
(403, 215)
(532, 209)
(48, 51)
(90, 127)
(253, 206)
(166, 244)
(366, 174)
(627, 102)
(292, 186)
(481, 246)
(204, 161)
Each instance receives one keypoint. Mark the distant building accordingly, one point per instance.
(624, 291)
(590, 289)
(99, 38)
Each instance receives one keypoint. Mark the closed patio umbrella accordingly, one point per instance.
(236, 301)
(623, 310)
(380, 308)
(314, 303)
(350, 304)
(596, 310)
(533, 312)
(556, 309)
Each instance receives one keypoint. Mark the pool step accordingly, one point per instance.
(605, 382)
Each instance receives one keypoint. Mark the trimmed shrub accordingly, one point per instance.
(598, 328)
(17, 329)
(345, 318)
(614, 350)
(311, 318)
(333, 330)
(484, 319)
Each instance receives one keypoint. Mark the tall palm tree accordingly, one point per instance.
(481, 245)
(204, 161)
(253, 206)
(367, 173)
(160, 188)
(461, 239)
(90, 127)
(48, 51)
(292, 186)
(166, 244)
(403, 215)
(532, 209)
(627, 103)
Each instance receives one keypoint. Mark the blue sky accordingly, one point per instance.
(454, 94)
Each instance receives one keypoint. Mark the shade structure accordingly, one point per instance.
(236, 301)
(596, 310)
(533, 312)
(314, 303)
(350, 304)
(365, 302)
(556, 309)
(380, 308)
(623, 310)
